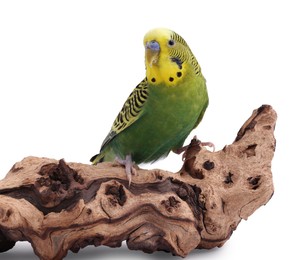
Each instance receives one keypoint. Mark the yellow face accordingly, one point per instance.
(167, 57)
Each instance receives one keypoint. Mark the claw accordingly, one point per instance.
(208, 144)
(128, 163)
(185, 148)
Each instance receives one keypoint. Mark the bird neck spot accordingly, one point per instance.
(169, 71)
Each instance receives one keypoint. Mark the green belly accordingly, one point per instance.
(169, 115)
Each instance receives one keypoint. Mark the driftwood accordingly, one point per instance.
(59, 206)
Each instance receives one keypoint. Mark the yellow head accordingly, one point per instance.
(168, 58)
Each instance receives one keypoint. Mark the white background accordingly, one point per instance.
(66, 67)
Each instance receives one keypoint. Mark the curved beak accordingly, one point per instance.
(152, 50)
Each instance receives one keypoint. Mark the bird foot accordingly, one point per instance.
(185, 148)
(129, 168)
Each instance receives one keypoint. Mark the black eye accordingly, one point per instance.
(171, 42)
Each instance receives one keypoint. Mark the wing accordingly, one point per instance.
(130, 112)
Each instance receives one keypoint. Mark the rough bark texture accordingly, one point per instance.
(59, 206)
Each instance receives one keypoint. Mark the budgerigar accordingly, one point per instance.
(163, 109)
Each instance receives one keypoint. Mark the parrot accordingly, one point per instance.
(162, 109)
